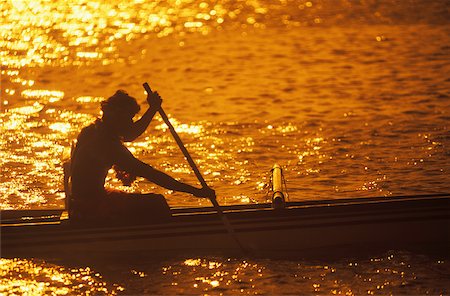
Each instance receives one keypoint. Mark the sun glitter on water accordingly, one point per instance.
(25, 277)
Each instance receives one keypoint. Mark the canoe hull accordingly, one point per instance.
(302, 230)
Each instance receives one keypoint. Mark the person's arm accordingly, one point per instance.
(154, 100)
(126, 161)
(168, 182)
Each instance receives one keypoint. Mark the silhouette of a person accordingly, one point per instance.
(99, 147)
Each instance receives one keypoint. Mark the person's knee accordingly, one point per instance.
(153, 207)
(156, 199)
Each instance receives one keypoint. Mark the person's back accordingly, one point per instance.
(90, 163)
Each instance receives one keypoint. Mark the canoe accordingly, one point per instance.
(314, 228)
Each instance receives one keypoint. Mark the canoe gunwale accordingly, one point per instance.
(22, 217)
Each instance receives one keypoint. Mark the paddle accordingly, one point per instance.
(197, 172)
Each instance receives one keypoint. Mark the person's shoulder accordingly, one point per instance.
(87, 131)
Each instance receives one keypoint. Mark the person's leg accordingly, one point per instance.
(149, 207)
(138, 208)
(87, 211)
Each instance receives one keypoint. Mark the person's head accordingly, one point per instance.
(119, 110)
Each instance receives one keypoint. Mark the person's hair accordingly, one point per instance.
(122, 102)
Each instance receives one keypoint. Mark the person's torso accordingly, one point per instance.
(91, 160)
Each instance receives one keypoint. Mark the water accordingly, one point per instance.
(350, 97)
(397, 273)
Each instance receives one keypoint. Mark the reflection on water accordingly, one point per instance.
(33, 277)
(33, 141)
(42, 32)
(392, 273)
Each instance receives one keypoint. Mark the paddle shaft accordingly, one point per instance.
(178, 140)
(195, 169)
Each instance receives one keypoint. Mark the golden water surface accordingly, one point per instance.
(350, 97)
